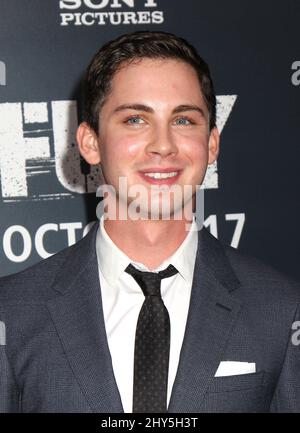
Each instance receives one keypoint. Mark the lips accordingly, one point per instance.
(160, 176)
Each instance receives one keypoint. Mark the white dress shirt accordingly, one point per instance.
(122, 300)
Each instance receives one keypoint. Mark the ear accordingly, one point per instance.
(213, 145)
(88, 144)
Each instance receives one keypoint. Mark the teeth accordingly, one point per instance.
(161, 175)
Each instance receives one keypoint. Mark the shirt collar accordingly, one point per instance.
(112, 261)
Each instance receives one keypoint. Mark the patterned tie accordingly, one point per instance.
(152, 344)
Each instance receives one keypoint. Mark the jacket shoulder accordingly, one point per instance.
(261, 277)
(257, 281)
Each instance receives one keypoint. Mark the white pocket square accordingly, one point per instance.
(233, 368)
(2, 334)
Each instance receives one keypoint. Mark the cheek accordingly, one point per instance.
(120, 150)
(130, 147)
(196, 149)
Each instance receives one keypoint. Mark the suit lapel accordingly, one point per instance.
(212, 315)
(78, 317)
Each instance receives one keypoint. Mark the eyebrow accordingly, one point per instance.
(141, 107)
(137, 107)
(183, 108)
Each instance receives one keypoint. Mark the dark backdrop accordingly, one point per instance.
(47, 195)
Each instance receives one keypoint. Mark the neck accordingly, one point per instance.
(148, 242)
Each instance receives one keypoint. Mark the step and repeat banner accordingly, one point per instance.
(47, 193)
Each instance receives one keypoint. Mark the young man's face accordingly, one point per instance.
(154, 124)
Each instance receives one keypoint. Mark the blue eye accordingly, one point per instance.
(134, 120)
(183, 121)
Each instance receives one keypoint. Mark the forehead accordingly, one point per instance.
(155, 79)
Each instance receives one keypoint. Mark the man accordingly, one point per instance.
(149, 314)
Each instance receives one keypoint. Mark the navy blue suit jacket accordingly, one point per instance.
(55, 357)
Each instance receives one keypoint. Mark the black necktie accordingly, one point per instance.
(152, 344)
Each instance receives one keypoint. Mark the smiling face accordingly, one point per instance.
(153, 127)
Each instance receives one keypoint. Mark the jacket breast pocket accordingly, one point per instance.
(236, 382)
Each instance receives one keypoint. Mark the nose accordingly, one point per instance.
(162, 143)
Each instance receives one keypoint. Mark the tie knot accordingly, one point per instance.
(150, 281)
